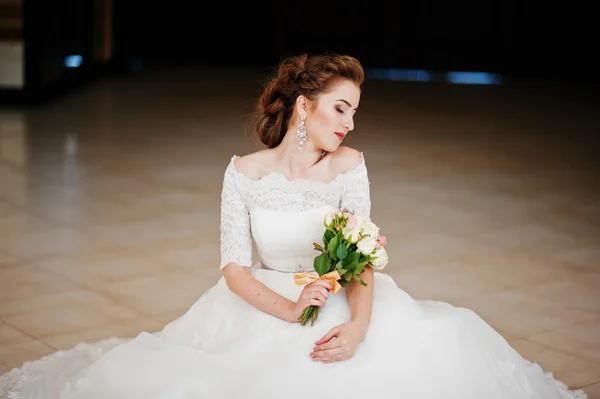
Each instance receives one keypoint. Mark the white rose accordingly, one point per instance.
(366, 245)
(380, 259)
(371, 229)
(352, 235)
(360, 222)
(329, 218)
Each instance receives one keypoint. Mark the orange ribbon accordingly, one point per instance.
(331, 277)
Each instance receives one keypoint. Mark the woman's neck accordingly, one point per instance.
(294, 161)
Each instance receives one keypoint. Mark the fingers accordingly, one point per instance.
(316, 302)
(321, 283)
(331, 355)
(317, 294)
(332, 333)
(332, 344)
(311, 297)
(320, 289)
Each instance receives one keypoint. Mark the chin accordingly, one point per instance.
(331, 147)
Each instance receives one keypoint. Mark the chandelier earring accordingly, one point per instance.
(301, 134)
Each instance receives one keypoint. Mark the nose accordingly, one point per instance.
(349, 124)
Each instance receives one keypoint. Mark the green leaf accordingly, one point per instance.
(342, 252)
(361, 265)
(332, 247)
(338, 265)
(318, 247)
(327, 237)
(355, 277)
(322, 264)
(351, 261)
(342, 272)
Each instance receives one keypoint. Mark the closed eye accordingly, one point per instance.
(341, 111)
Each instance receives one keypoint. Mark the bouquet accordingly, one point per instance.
(350, 243)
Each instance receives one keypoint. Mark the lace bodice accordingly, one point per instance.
(283, 217)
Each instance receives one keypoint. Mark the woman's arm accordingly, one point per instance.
(348, 335)
(243, 284)
(360, 300)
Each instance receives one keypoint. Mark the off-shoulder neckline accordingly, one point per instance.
(280, 175)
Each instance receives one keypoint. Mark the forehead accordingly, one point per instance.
(343, 89)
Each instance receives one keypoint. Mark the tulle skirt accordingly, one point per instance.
(223, 347)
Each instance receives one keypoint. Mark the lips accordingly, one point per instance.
(340, 135)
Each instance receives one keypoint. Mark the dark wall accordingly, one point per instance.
(52, 31)
(519, 38)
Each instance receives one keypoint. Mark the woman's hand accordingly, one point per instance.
(315, 293)
(340, 343)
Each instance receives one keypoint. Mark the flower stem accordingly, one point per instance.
(314, 316)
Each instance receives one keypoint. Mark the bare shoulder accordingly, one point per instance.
(253, 165)
(345, 159)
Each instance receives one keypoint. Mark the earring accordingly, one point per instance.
(301, 134)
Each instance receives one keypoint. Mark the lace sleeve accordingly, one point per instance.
(356, 193)
(236, 238)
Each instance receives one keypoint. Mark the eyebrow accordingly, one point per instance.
(347, 103)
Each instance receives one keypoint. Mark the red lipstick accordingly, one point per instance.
(340, 135)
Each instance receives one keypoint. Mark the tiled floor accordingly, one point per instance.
(109, 201)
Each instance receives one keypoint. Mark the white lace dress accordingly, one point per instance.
(224, 348)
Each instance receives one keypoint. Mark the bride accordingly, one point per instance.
(243, 339)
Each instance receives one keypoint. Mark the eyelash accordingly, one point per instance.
(339, 110)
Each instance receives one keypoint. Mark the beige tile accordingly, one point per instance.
(207, 241)
(105, 269)
(523, 315)
(512, 269)
(579, 290)
(448, 282)
(34, 303)
(521, 235)
(129, 328)
(166, 198)
(200, 259)
(155, 295)
(43, 242)
(10, 335)
(580, 339)
(4, 368)
(14, 355)
(7, 260)
(569, 369)
(117, 187)
(17, 223)
(430, 246)
(26, 280)
(593, 391)
(586, 258)
(169, 316)
(67, 312)
(137, 233)
(87, 212)
(6, 208)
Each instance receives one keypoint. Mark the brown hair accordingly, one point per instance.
(300, 75)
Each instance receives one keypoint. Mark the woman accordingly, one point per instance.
(243, 337)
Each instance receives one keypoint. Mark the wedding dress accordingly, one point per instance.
(223, 347)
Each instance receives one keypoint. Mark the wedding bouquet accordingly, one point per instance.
(350, 243)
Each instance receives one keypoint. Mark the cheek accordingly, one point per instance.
(325, 122)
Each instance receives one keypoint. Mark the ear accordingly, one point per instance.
(302, 105)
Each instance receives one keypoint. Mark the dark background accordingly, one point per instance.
(518, 39)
